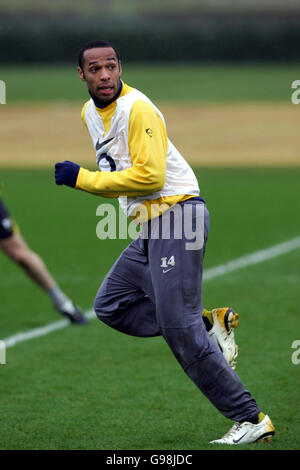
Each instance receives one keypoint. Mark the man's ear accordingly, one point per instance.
(81, 73)
(120, 68)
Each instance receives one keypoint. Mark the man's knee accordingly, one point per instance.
(98, 306)
(105, 309)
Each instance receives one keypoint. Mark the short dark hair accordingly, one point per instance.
(92, 45)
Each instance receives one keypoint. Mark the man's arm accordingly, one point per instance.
(148, 149)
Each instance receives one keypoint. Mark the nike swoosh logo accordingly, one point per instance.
(238, 440)
(166, 270)
(99, 146)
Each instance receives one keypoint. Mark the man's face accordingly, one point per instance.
(101, 71)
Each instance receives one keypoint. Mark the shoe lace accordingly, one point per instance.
(233, 430)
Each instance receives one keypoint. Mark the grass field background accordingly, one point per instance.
(168, 83)
(94, 388)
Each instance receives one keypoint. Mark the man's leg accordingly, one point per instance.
(15, 247)
(177, 278)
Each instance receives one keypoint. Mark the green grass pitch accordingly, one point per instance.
(94, 388)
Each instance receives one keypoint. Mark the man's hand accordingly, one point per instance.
(66, 173)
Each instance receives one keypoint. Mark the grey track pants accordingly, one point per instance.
(155, 288)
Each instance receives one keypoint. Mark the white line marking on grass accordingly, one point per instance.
(211, 273)
(43, 330)
(253, 258)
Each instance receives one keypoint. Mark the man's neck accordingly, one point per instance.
(103, 104)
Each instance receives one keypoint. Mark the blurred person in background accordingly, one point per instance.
(15, 247)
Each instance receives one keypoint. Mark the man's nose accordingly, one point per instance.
(104, 75)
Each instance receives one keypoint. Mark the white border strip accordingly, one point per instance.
(221, 270)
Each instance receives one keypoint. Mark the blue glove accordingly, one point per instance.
(66, 173)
